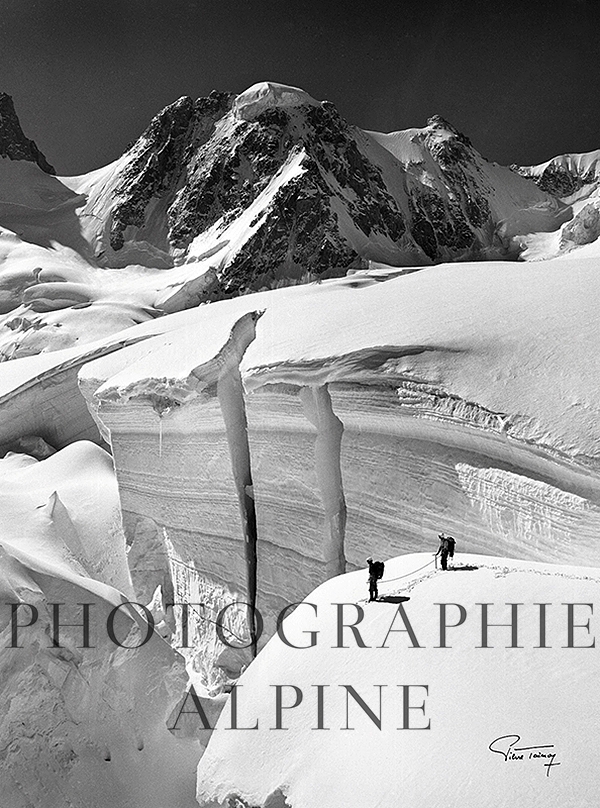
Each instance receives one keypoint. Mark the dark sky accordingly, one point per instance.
(519, 78)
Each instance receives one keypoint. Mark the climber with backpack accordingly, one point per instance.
(446, 548)
(376, 569)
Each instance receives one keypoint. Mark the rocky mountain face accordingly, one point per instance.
(276, 184)
(446, 215)
(160, 160)
(202, 164)
(272, 186)
(13, 143)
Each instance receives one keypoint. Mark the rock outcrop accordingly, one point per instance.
(13, 143)
(584, 227)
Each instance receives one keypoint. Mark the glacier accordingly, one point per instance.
(179, 431)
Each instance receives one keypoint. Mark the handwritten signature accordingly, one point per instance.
(506, 745)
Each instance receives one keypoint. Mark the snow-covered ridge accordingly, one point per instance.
(565, 175)
(441, 157)
(583, 164)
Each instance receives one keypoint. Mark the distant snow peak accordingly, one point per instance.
(566, 174)
(233, 193)
(266, 95)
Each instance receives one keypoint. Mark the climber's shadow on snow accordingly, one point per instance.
(392, 598)
(463, 568)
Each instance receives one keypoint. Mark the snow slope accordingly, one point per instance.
(538, 696)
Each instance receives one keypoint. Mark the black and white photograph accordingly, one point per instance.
(299, 404)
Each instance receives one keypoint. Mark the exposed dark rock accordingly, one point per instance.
(13, 143)
(557, 179)
(447, 224)
(301, 228)
(299, 231)
(161, 157)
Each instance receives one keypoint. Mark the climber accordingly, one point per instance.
(445, 549)
(376, 569)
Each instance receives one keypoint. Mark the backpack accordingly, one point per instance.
(378, 569)
(450, 544)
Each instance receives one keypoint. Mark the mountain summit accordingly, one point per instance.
(275, 184)
(229, 193)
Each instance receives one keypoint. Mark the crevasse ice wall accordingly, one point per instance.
(376, 411)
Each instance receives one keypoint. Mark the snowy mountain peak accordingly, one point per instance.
(446, 144)
(13, 143)
(238, 193)
(277, 184)
(439, 122)
(156, 165)
(566, 174)
(267, 95)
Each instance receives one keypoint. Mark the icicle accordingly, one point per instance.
(160, 435)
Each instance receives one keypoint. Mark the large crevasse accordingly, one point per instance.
(262, 432)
